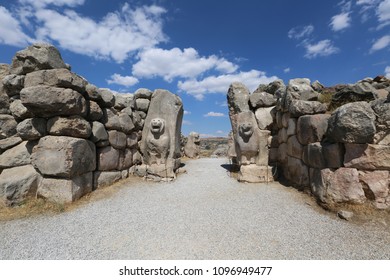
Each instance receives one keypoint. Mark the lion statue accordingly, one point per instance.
(157, 142)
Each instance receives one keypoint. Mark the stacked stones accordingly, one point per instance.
(61, 137)
(342, 156)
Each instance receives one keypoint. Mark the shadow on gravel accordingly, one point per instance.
(231, 167)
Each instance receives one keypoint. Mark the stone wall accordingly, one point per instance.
(342, 156)
(60, 136)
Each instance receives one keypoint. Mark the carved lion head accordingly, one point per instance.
(157, 126)
(245, 130)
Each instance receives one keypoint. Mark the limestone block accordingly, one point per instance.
(104, 179)
(292, 127)
(63, 156)
(142, 104)
(46, 101)
(107, 98)
(311, 129)
(313, 156)
(98, 133)
(125, 159)
(73, 126)
(255, 174)
(299, 108)
(19, 111)
(17, 156)
(294, 148)
(17, 183)
(95, 113)
(65, 190)
(192, 147)
(132, 140)
(297, 172)
(7, 126)
(13, 84)
(8, 143)
(264, 117)
(377, 182)
(117, 139)
(301, 89)
(282, 155)
(262, 99)
(107, 158)
(143, 93)
(282, 135)
(367, 156)
(32, 129)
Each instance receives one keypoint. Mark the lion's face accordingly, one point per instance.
(246, 130)
(157, 126)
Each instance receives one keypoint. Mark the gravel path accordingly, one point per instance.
(204, 214)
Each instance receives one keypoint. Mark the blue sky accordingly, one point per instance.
(196, 48)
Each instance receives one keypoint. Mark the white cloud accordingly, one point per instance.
(220, 132)
(222, 103)
(11, 32)
(381, 43)
(287, 70)
(366, 7)
(126, 81)
(44, 3)
(175, 62)
(300, 32)
(387, 72)
(220, 84)
(340, 21)
(383, 13)
(116, 36)
(185, 122)
(214, 114)
(187, 112)
(322, 48)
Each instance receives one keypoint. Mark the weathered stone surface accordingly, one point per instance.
(107, 159)
(161, 133)
(104, 179)
(18, 155)
(32, 129)
(262, 99)
(122, 101)
(285, 119)
(4, 70)
(99, 132)
(125, 174)
(317, 86)
(10, 142)
(278, 119)
(352, 123)
(376, 184)
(301, 89)
(93, 93)
(299, 108)
(276, 88)
(345, 215)
(339, 186)
(117, 139)
(132, 140)
(297, 172)
(294, 148)
(113, 121)
(4, 100)
(95, 113)
(292, 127)
(238, 101)
(74, 126)
(125, 159)
(7, 126)
(312, 129)
(382, 138)
(128, 111)
(333, 154)
(142, 104)
(107, 98)
(143, 93)
(61, 78)
(36, 57)
(264, 117)
(17, 183)
(65, 190)
(220, 151)
(273, 141)
(382, 111)
(367, 156)
(282, 156)
(137, 157)
(138, 121)
(102, 143)
(255, 174)
(273, 155)
(45, 101)
(192, 147)
(313, 156)
(13, 84)
(251, 142)
(63, 156)
(362, 91)
(19, 111)
(282, 135)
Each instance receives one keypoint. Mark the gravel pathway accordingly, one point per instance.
(204, 214)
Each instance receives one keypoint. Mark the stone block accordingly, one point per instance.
(63, 156)
(73, 126)
(17, 156)
(292, 127)
(297, 172)
(299, 108)
(311, 129)
(367, 156)
(19, 111)
(98, 132)
(65, 190)
(142, 104)
(117, 139)
(264, 117)
(282, 155)
(377, 185)
(8, 143)
(125, 159)
(104, 179)
(255, 174)
(282, 135)
(95, 113)
(32, 129)
(107, 158)
(294, 148)
(7, 126)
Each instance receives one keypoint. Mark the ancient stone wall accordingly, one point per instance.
(62, 137)
(343, 156)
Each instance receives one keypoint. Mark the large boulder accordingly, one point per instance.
(117, 139)
(362, 91)
(95, 113)
(143, 93)
(381, 107)
(142, 104)
(125, 159)
(107, 98)
(107, 158)
(99, 132)
(340, 186)
(106, 178)
(63, 156)
(114, 121)
(4, 101)
(62, 78)
(302, 90)
(65, 190)
(74, 126)
(32, 129)
(312, 128)
(17, 156)
(46, 101)
(297, 172)
(262, 99)
(299, 108)
(376, 184)
(265, 117)
(13, 84)
(294, 148)
(352, 123)
(36, 57)
(238, 101)
(192, 147)
(255, 174)
(19, 111)
(7, 126)
(10, 142)
(17, 183)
